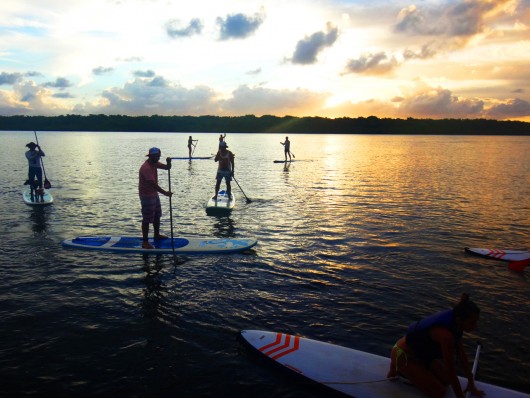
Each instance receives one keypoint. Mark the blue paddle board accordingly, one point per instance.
(193, 158)
(183, 245)
(46, 199)
(353, 373)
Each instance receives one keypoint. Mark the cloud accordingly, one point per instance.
(458, 19)
(372, 64)
(100, 70)
(427, 51)
(62, 95)
(307, 49)
(10, 78)
(61, 83)
(238, 26)
(144, 73)
(155, 96)
(173, 28)
(440, 103)
(262, 101)
(510, 109)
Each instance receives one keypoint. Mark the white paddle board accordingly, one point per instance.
(37, 201)
(222, 205)
(354, 373)
(500, 254)
(184, 245)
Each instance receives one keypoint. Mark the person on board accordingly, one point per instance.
(34, 155)
(225, 169)
(221, 139)
(287, 148)
(148, 189)
(190, 144)
(426, 354)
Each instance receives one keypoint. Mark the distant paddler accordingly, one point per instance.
(287, 148)
(190, 144)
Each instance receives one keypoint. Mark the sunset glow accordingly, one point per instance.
(330, 58)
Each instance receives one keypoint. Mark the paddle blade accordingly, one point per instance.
(519, 265)
(47, 184)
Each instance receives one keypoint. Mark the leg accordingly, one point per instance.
(145, 235)
(421, 377)
(217, 186)
(156, 221)
(228, 189)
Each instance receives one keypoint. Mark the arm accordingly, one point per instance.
(159, 188)
(167, 166)
(41, 152)
(467, 372)
(447, 344)
(232, 162)
(217, 156)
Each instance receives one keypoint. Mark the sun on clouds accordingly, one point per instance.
(436, 59)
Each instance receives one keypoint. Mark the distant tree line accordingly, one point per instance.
(264, 124)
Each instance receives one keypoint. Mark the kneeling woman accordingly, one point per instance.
(426, 354)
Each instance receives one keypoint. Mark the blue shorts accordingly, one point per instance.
(151, 209)
(226, 174)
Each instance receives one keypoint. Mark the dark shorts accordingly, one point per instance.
(35, 173)
(227, 175)
(151, 209)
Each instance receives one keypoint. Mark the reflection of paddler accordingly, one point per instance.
(287, 148)
(225, 169)
(426, 354)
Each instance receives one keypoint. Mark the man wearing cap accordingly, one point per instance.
(34, 156)
(225, 169)
(148, 189)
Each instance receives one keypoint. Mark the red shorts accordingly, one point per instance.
(151, 209)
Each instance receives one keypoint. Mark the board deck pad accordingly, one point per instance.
(500, 254)
(184, 245)
(354, 373)
(26, 196)
(222, 205)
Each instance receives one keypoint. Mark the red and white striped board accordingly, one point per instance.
(500, 254)
(354, 373)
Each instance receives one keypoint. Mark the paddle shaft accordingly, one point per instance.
(171, 214)
(248, 200)
(194, 146)
(474, 368)
(42, 162)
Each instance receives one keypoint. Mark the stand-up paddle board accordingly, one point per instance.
(284, 161)
(193, 158)
(222, 205)
(354, 373)
(34, 200)
(184, 245)
(499, 254)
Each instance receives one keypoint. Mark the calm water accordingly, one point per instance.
(361, 236)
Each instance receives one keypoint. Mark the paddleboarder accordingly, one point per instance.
(225, 169)
(148, 189)
(190, 144)
(221, 139)
(34, 155)
(287, 148)
(426, 354)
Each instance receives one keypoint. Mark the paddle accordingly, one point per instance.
(194, 146)
(248, 200)
(171, 211)
(47, 184)
(475, 365)
(519, 265)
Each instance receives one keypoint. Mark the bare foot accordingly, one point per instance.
(147, 245)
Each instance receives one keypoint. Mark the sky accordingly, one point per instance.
(331, 58)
